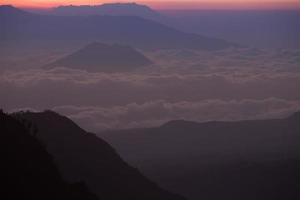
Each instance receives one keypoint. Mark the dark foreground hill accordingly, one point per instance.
(28, 170)
(130, 30)
(83, 156)
(246, 160)
(103, 58)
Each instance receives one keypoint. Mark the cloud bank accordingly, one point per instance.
(191, 85)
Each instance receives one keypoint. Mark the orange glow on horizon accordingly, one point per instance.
(167, 4)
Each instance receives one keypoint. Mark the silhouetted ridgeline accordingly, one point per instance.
(27, 169)
(83, 156)
(246, 160)
(130, 30)
(123, 9)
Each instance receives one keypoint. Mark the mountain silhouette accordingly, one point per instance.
(258, 159)
(28, 170)
(83, 156)
(273, 137)
(103, 57)
(124, 9)
(129, 30)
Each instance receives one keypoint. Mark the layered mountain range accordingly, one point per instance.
(130, 30)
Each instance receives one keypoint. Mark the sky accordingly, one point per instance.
(168, 4)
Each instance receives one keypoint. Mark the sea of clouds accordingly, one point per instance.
(234, 84)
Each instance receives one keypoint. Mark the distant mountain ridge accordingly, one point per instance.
(254, 159)
(129, 9)
(99, 57)
(268, 136)
(129, 30)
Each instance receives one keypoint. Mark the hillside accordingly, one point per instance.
(84, 156)
(28, 170)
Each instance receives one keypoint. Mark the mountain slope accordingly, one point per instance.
(256, 28)
(27, 170)
(105, 58)
(247, 160)
(83, 156)
(130, 30)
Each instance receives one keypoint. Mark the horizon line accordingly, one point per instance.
(172, 9)
(178, 5)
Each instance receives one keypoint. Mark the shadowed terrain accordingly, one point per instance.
(83, 156)
(28, 170)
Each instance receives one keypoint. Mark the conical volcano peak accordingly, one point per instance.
(100, 57)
